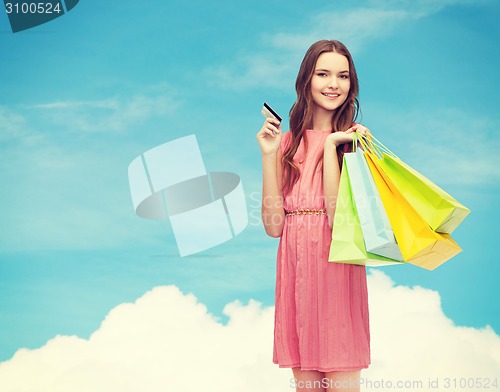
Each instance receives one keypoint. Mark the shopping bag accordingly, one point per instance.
(375, 225)
(419, 244)
(441, 211)
(347, 244)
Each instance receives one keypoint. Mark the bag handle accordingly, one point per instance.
(374, 146)
(364, 143)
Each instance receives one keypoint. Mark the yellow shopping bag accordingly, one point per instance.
(441, 211)
(419, 244)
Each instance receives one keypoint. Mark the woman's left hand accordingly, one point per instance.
(361, 129)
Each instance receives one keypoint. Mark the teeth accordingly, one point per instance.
(331, 95)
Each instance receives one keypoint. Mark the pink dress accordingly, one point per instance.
(321, 316)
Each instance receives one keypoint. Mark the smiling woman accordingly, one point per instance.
(330, 83)
(64, 185)
(321, 320)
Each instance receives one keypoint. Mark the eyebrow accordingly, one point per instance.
(327, 70)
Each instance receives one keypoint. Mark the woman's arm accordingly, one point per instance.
(273, 214)
(331, 169)
(331, 177)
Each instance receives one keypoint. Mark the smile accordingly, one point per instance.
(331, 95)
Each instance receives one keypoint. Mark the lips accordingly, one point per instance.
(331, 95)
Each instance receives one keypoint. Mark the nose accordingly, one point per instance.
(332, 82)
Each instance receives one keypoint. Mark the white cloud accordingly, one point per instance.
(70, 197)
(276, 65)
(114, 114)
(271, 69)
(75, 181)
(414, 340)
(13, 126)
(167, 341)
(354, 28)
(164, 341)
(424, 7)
(104, 104)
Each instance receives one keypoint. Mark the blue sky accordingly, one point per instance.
(83, 95)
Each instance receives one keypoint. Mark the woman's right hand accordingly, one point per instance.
(269, 136)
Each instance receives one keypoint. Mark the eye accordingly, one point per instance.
(321, 74)
(344, 76)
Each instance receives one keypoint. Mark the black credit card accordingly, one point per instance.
(268, 112)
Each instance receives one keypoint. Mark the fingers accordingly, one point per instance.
(338, 138)
(361, 129)
(269, 132)
(273, 123)
(264, 133)
(271, 127)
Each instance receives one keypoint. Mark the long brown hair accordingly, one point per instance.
(301, 113)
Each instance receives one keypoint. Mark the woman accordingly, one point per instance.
(321, 320)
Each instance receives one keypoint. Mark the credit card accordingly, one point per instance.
(268, 112)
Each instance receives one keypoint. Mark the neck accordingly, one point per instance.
(322, 120)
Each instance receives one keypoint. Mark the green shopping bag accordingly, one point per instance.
(348, 245)
(441, 211)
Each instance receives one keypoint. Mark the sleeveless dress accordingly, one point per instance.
(321, 308)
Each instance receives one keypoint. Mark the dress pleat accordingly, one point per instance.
(321, 316)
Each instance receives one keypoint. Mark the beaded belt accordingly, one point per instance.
(306, 211)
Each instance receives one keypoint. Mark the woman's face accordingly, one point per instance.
(330, 82)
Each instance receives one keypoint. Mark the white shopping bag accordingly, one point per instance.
(377, 232)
